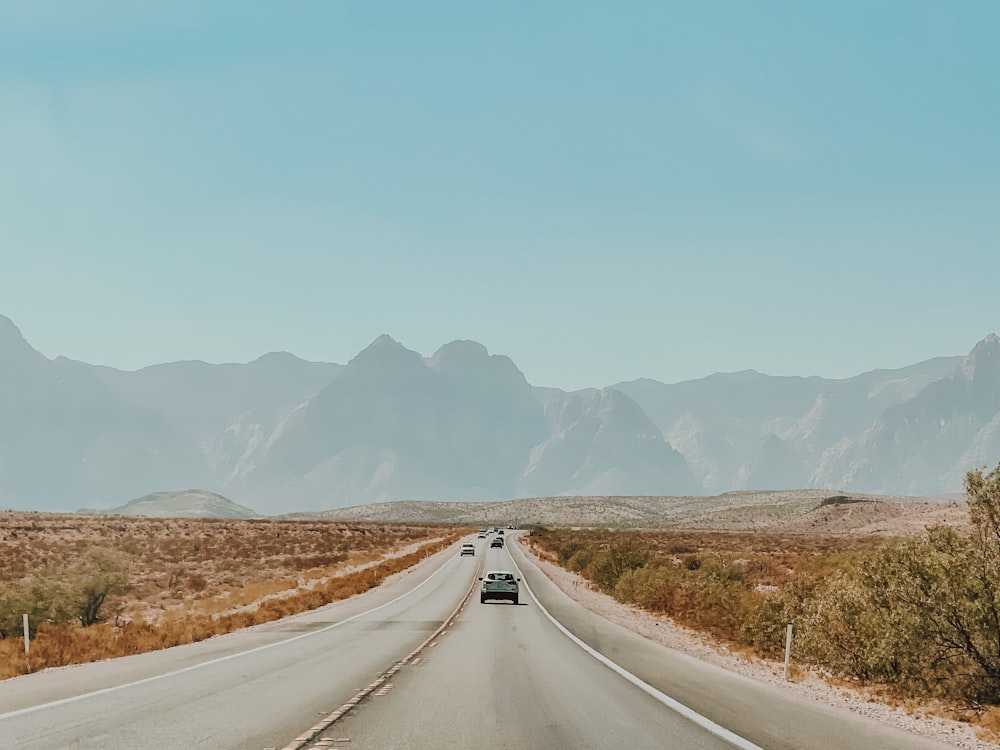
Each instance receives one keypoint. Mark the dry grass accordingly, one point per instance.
(988, 724)
(194, 578)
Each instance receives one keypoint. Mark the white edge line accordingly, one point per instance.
(688, 713)
(210, 662)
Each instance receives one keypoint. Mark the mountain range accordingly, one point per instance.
(281, 434)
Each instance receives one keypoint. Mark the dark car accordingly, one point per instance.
(497, 541)
(499, 584)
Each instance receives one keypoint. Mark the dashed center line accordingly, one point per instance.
(381, 684)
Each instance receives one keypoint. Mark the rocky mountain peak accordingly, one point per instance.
(18, 359)
(11, 339)
(386, 353)
(470, 360)
(463, 352)
(983, 362)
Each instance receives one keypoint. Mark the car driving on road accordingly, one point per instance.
(468, 549)
(499, 584)
(497, 542)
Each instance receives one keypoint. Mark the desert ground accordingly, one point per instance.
(211, 565)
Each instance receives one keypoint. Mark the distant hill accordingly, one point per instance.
(792, 511)
(281, 434)
(183, 504)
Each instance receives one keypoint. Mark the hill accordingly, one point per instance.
(184, 504)
(791, 511)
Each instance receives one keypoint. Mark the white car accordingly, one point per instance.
(468, 549)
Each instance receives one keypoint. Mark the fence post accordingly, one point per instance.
(788, 648)
(25, 633)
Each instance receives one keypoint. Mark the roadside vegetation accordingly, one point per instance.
(96, 587)
(918, 617)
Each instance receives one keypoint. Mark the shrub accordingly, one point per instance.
(922, 614)
(718, 589)
(764, 624)
(580, 559)
(43, 600)
(654, 586)
(101, 575)
(607, 566)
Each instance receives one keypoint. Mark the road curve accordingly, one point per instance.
(500, 674)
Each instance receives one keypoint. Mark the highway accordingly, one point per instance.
(420, 663)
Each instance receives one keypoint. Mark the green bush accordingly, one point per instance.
(566, 550)
(43, 600)
(100, 575)
(608, 565)
(718, 589)
(767, 616)
(580, 559)
(58, 597)
(922, 614)
(654, 586)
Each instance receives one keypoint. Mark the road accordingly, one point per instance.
(497, 674)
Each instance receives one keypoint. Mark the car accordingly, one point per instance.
(499, 532)
(481, 535)
(499, 584)
(497, 541)
(468, 549)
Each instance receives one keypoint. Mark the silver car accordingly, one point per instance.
(499, 584)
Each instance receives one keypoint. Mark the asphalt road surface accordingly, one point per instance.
(420, 663)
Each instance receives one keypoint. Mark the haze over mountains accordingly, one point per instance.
(281, 434)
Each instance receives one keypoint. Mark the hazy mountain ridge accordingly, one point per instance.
(746, 430)
(930, 440)
(281, 434)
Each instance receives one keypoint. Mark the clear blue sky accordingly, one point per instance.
(601, 191)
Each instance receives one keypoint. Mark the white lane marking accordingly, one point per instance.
(210, 662)
(688, 713)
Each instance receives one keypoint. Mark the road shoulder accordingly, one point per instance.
(806, 684)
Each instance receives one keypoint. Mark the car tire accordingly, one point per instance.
(482, 600)
(514, 600)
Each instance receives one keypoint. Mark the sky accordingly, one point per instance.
(600, 191)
